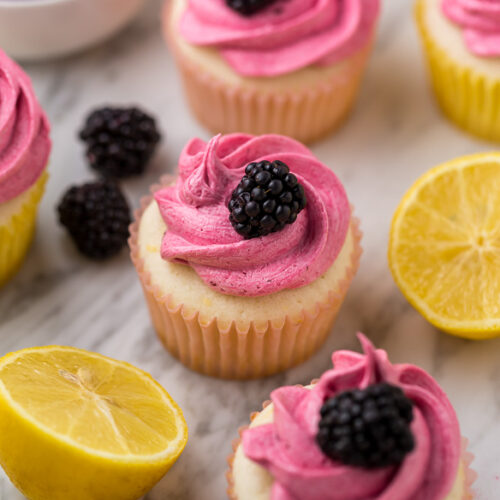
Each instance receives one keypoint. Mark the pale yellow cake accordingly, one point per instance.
(14, 207)
(185, 287)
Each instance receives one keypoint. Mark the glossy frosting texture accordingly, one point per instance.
(480, 21)
(199, 232)
(287, 447)
(284, 37)
(24, 132)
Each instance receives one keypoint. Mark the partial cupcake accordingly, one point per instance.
(291, 68)
(24, 151)
(462, 46)
(365, 429)
(245, 258)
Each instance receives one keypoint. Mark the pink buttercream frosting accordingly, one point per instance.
(480, 21)
(24, 132)
(284, 37)
(200, 234)
(288, 450)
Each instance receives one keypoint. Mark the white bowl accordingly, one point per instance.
(42, 29)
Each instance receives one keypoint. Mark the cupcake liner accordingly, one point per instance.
(470, 474)
(467, 458)
(306, 115)
(469, 99)
(235, 350)
(16, 235)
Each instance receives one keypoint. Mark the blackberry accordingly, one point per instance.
(267, 199)
(97, 217)
(120, 141)
(248, 7)
(367, 428)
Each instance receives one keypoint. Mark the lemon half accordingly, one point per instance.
(75, 425)
(444, 250)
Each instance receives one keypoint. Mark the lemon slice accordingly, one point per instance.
(75, 425)
(444, 250)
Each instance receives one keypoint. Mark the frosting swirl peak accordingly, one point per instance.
(283, 37)
(24, 132)
(200, 234)
(287, 448)
(480, 21)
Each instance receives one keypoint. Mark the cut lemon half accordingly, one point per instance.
(444, 250)
(75, 425)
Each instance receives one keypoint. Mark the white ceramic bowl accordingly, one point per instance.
(42, 29)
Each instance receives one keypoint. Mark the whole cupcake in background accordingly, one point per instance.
(365, 429)
(462, 45)
(271, 66)
(24, 151)
(246, 257)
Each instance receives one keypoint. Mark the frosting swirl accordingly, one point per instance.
(24, 132)
(288, 450)
(480, 21)
(200, 234)
(285, 36)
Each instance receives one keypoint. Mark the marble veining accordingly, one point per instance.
(395, 134)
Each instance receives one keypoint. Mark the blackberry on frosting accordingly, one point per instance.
(367, 427)
(248, 7)
(267, 198)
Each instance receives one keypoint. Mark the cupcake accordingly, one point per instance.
(365, 429)
(24, 150)
(462, 46)
(270, 66)
(245, 257)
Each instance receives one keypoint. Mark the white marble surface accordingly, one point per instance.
(395, 135)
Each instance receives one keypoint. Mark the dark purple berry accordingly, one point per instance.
(269, 206)
(120, 141)
(276, 187)
(239, 214)
(286, 197)
(248, 7)
(367, 427)
(252, 209)
(97, 217)
(283, 213)
(267, 222)
(291, 181)
(249, 168)
(263, 202)
(247, 183)
(263, 178)
(258, 194)
(280, 170)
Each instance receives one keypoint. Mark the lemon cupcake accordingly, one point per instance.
(365, 429)
(24, 150)
(267, 66)
(462, 46)
(246, 257)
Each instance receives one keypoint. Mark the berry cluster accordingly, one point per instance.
(120, 141)
(267, 199)
(248, 7)
(97, 217)
(367, 428)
